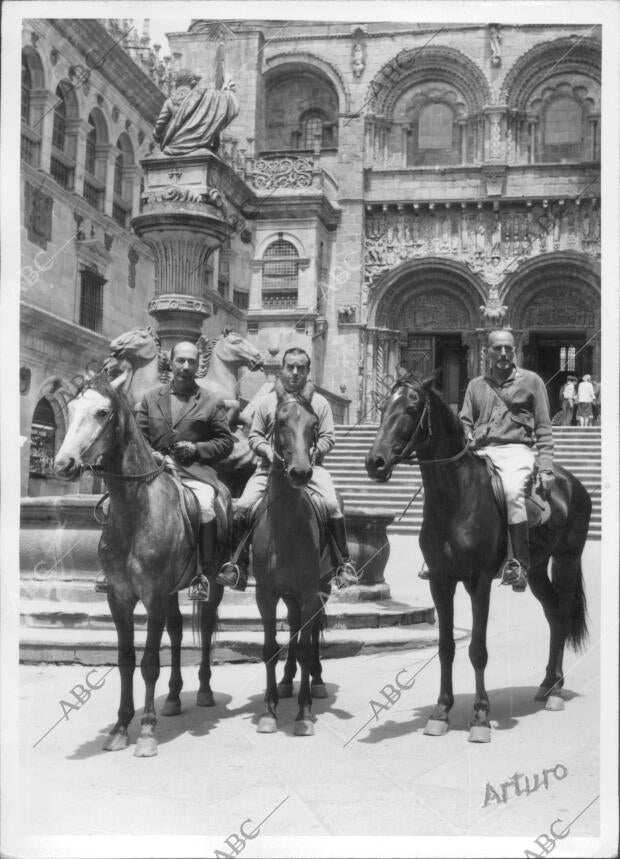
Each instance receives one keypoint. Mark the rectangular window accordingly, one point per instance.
(91, 300)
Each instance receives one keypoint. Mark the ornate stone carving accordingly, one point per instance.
(179, 302)
(495, 44)
(292, 172)
(486, 241)
(107, 241)
(494, 311)
(358, 53)
(54, 56)
(115, 113)
(559, 307)
(347, 314)
(38, 213)
(433, 311)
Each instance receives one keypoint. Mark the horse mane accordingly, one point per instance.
(205, 350)
(451, 421)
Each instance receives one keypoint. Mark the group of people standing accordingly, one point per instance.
(581, 400)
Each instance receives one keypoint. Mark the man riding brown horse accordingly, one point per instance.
(294, 375)
(505, 413)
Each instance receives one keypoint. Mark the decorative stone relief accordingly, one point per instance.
(358, 53)
(38, 215)
(133, 258)
(494, 311)
(559, 307)
(495, 44)
(282, 173)
(347, 314)
(487, 241)
(433, 311)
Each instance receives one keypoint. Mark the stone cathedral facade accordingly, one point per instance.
(420, 184)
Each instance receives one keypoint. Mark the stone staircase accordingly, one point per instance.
(577, 449)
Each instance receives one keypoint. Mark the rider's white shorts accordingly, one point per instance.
(206, 498)
(320, 482)
(514, 463)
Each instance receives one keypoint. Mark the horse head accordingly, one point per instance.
(97, 416)
(235, 351)
(404, 427)
(138, 346)
(295, 432)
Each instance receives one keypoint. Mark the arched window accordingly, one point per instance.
(431, 135)
(60, 115)
(312, 126)
(123, 191)
(280, 276)
(563, 130)
(94, 188)
(26, 87)
(118, 174)
(43, 440)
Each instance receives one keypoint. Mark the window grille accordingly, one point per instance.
(280, 275)
(42, 440)
(58, 127)
(91, 300)
(312, 126)
(567, 358)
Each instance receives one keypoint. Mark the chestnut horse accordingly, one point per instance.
(145, 550)
(291, 561)
(464, 539)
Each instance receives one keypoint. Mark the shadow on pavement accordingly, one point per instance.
(508, 705)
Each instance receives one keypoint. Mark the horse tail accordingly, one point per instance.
(577, 635)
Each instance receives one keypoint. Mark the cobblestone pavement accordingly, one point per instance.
(368, 773)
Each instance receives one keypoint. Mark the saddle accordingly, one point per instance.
(190, 512)
(538, 509)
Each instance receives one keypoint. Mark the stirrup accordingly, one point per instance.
(346, 575)
(199, 588)
(514, 574)
(101, 583)
(230, 575)
(424, 573)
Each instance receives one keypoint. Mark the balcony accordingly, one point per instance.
(30, 146)
(93, 193)
(285, 300)
(61, 170)
(121, 213)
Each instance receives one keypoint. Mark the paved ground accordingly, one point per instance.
(362, 776)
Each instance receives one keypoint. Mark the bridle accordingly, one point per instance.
(406, 455)
(146, 476)
(283, 402)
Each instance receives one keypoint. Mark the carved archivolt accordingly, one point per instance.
(559, 307)
(441, 64)
(566, 56)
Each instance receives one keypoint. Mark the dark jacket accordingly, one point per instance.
(202, 421)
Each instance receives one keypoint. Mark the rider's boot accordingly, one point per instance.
(346, 573)
(200, 586)
(235, 574)
(516, 569)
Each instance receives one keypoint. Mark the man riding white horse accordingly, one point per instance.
(506, 413)
(294, 375)
(188, 425)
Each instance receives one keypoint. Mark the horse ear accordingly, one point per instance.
(120, 383)
(279, 388)
(308, 390)
(430, 381)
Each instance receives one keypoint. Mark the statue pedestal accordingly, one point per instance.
(191, 204)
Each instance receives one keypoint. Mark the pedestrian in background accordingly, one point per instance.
(585, 398)
(568, 397)
(596, 405)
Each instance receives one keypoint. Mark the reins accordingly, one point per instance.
(406, 454)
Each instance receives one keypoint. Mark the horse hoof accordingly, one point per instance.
(436, 728)
(479, 734)
(116, 742)
(172, 707)
(267, 725)
(318, 690)
(146, 747)
(205, 699)
(303, 728)
(554, 703)
(285, 690)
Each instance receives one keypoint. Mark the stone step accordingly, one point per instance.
(99, 646)
(95, 615)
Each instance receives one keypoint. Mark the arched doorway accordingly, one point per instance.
(555, 311)
(422, 318)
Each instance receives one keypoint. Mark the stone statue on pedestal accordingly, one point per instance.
(193, 117)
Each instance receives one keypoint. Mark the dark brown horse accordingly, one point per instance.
(463, 539)
(290, 559)
(145, 551)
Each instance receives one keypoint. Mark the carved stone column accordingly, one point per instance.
(190, 206)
